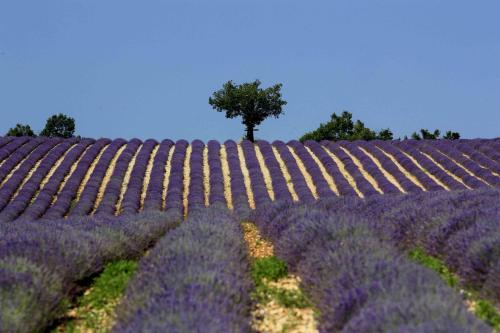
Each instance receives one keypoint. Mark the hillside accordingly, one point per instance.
(53, 178)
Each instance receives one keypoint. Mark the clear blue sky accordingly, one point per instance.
(146, 68)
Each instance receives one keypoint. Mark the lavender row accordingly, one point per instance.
(451, 166)
(322, 187)
(358, 282)
(11, 146)
(132, 197)
(216, 180)
(332, 168)
(45, 197)
(25, 194)
(299, 182)
(363, 185)
(411, 149)
(259, 189)
(478, 157)
(68, 192)
(488, 147)
(114, 186)
(196, 195)
(459, 227)
(371, 168)
(407, 163)
(87, 198)
(5, 140)
(12, 185)
(18, 155)
(390, 167)
(196, 279)
(238, 189)
(41, 264)
(175, 189)
(280, 187)
(450, 150)
(154, 192)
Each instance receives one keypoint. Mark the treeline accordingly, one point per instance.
(344, 128)
(58, 125)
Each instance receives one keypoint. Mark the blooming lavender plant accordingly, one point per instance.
(359, 282)
(132, 196)
(41, 262)
(114, 186)
(176, 184)
(196, 279)
(259, 189)
(196, 195)
(88, 196)
(154, 192)
(68, 191)
(216, 179)
(278, 180)
(238, 189)
(11, 186)
(299, 182)
(29, 189)
(364, 186)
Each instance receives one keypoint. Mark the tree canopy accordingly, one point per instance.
(425, 134)
(343, 128)
(20, 130)
(59, 125)
(250, 102)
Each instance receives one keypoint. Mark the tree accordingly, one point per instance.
(385, 134)
(20, 130)
(343, 128)
(250, 102)
(426, 134)
(449, 135)
(59, 125)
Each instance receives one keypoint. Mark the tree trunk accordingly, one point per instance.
(250, 133)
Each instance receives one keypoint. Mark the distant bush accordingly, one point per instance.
(20, 130)
(343, 128)
(59, 125)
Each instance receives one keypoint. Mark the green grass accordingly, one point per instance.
(435, 264)
(272, 269)
(269, 268)
(95, 308)
(484, 309)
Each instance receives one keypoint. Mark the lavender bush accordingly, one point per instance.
(359, 282)
(154, 192)
(176, 185)
(68, 192)
(132, 196)
(41, 262)
(87, 199)
(196, 279)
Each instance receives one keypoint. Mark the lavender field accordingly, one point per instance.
(346, 219)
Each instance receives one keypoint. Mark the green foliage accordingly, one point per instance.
(290, 298)
(419, 256)
(250, 102)
(343, 128)
(483, 309)
(449, 135)
(20, 130)
(427, 135)
(385, 134)
(487, 312)
(269, 268)
(102, 297)
(59, 125)
(272, 269)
